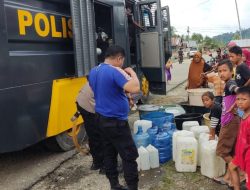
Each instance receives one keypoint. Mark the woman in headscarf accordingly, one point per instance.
(196, 69)
(246, 56)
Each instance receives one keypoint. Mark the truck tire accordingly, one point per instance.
(63, 142)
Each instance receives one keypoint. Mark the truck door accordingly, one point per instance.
(152, 43)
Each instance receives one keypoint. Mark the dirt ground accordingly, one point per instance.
(75, 173)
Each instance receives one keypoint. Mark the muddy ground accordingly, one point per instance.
(74, 173)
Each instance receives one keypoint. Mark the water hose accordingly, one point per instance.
(83, 150)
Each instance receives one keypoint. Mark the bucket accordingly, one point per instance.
(158, 118)
(194, 96)
(144, 109)
(207, 121)
(187, 117)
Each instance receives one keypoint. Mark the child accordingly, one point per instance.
(229, 121)
(218, 84)
(242, 148)
(215, 113)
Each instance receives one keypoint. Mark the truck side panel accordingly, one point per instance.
(35, 49)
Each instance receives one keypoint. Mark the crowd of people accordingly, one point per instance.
(104, 104)
(229, 109)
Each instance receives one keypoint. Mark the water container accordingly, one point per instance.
(186, 125)
(153, 156)
(144, 158)
(174, 109)
(204, 137)
(138, 163)
(152, 134)
(163, 144)
(194, 96)
(197, 130)
(211, 165)
(186, 154)
(144, 123)
(176, 134)
(144, 109)
(140, 138)
(158, 118)
(187, 117)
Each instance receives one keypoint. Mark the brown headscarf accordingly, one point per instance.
(195, 70)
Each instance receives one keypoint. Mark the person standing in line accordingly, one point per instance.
(229, 121)
(242, 73)
(86, 106)
(242, 148)
(246, 57)
(110, 83)
(196, 69)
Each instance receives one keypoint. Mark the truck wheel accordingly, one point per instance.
(64, 142)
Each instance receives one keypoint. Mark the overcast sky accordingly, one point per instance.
(208, 17)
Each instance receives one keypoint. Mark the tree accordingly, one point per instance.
(236, 36)
(197, 37)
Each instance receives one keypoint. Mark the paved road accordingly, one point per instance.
(180, 73)
(20, 170)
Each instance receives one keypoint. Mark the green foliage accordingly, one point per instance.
(227, 37)
(197, 37)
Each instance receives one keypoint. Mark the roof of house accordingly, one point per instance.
(242, 43)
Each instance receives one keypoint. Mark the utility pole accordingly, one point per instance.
(188, 32)
(238, 18)
(188, 36)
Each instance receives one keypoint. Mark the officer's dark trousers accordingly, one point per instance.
(94, 136)
(117, 139)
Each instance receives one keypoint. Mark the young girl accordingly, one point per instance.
(242, 148)
(215, 113)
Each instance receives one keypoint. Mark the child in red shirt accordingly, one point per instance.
(242, 149)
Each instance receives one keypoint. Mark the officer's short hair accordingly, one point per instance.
(115, 51)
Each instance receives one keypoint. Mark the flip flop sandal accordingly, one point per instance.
(220, 181)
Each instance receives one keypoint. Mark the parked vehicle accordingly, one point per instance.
(192, 51)
(47, 49)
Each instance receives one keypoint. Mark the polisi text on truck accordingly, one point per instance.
(44, 25)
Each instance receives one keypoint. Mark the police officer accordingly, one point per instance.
(109, 83)
(86, 106)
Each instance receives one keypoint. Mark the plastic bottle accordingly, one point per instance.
(153, 156)
(144, 123)
(144, 158)
(186, 125)
(140, 138)
(176, 134)
(163, 144)
(211, 165)
(186, 154)
(152, 134)
(204, 137)
(197, 130)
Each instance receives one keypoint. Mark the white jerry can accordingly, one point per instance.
(186, 125)
(186, 154)
(176, 134)
(144, 158)
(145, 124)
(197, 130)
(138, 163)
(153, 156)
(204, 137)
(211, 164)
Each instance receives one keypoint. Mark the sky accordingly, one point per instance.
(208, 17)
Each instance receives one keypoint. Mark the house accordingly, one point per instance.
(244, 43)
